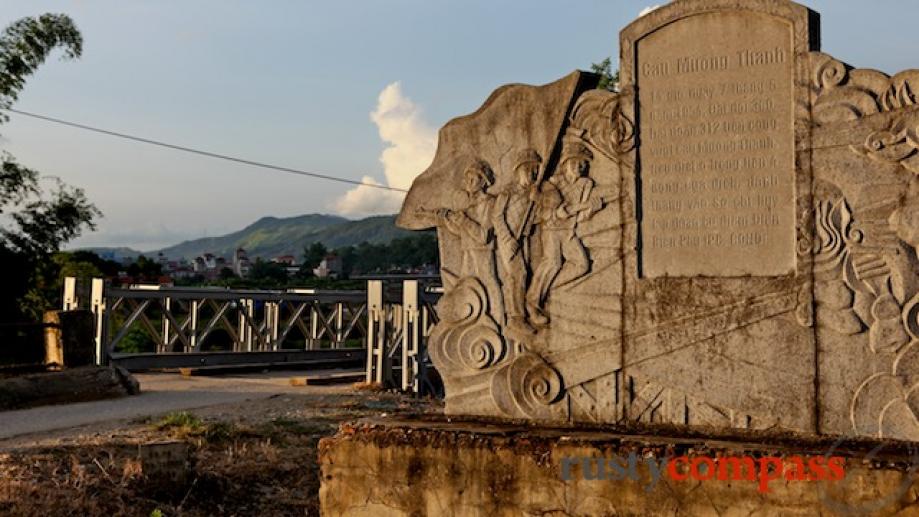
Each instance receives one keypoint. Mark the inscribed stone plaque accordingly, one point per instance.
(716, 152)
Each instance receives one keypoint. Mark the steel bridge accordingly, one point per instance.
(383, 328)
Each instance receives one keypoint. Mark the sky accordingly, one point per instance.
(355, 89)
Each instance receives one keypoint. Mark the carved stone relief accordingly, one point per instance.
(530, 247)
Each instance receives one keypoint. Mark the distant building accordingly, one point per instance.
(173, 266)
(287, 260)
(199, 265)
(329, 267)
(241, 263)
(208, 265)
(182, 272)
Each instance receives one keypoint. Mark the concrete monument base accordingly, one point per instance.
(443, 467)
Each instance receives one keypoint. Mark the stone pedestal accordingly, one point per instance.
(416, 468)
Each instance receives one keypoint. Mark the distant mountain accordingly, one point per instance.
(272, 236)
(115, 254)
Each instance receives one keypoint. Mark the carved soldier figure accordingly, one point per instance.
(513, 211)
(472, 222)
(564, 201)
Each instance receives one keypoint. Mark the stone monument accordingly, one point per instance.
(729, 242)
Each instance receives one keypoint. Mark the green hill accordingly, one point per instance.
(271, 236)
(112, 253)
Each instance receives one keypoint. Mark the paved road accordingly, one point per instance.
(160, 393)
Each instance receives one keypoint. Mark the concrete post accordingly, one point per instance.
(411, 335)
(376, 332)
(101, 321)
(69, 338)
(70, 294)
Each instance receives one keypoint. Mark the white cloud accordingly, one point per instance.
(363, 200)
(411, 145)
(648, 9)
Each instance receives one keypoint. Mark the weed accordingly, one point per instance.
(218, 432)
(182, 421)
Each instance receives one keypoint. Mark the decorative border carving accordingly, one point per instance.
(598, 118)
(897, 144)
(842, 93)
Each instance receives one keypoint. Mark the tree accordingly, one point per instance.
(71, 265)
(609, 80)
(106, 267)
(402, 252)
(312, 256)
(347, 255)
(226, 274)
(34, 223)
(144, 269)
(267, 274)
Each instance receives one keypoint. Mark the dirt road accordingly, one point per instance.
(160, 393)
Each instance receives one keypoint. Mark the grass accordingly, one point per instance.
(181, 420)
(183, 424)
(218, 432)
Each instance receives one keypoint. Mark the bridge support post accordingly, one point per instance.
(379, 365)
(339, 325)
(315, 314)
(167, 307)
(71, 303)
(272, 321)
(411, 336)
(193, 308)
(101, 321)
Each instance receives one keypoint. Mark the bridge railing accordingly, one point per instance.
(157, 326)
(399, 324)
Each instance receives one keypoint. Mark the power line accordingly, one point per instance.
(203, 153)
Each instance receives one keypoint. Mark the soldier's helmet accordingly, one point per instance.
(482, 171)
(526, 157)
(576, 151)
